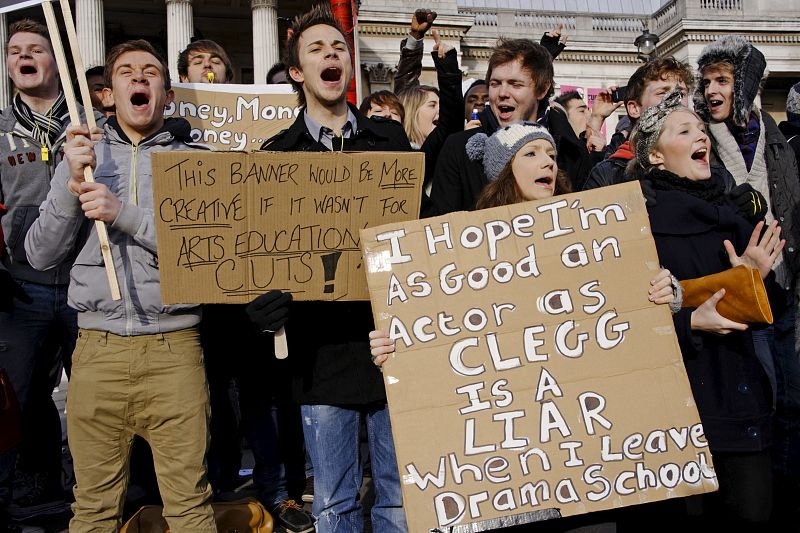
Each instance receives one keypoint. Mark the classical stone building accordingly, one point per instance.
(600, 50)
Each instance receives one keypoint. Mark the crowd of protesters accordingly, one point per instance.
(160, 397)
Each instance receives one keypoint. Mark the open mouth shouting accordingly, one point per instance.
(715, 104)
(701, 155)
(331, 75)
(545, 182)
(27, 70)
(140, 100)
(505, 112)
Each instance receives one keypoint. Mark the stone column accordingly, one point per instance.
(90, 27)
(180, 29)
(5, 83)
(265, 38)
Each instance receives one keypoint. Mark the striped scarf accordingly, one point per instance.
(49, 125)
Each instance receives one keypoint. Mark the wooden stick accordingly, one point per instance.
(75, 118)
(80, 70)
(281, 348)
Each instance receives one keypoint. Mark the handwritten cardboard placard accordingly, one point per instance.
(233, 225)
(532, 377)
(234, 117)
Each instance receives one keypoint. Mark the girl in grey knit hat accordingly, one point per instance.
(520, 163)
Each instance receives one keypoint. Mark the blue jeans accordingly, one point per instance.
(261, 430)
(778, 341)
(33, 339)
(331, 435)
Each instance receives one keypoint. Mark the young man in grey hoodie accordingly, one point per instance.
(137, 367)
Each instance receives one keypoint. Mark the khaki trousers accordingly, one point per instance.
(148, 385)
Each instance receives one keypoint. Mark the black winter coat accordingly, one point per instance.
(784, 188)
(730, 385)
(457, 181)
(791, 131)
(451, 104)
(573, 156)
(451, 110)
(612, 172)
(329, 341)
(608, 172)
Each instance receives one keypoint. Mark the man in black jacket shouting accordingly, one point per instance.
(520, 78)
(333, 378)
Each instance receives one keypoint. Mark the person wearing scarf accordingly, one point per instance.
(698, 231)
(32, 131)
(44, 127)
(746, 140)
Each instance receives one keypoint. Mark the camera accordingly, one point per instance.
(620, 94)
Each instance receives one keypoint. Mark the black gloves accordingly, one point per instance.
(553, 44)
(9, 290)
(270, 311)
(749, 203)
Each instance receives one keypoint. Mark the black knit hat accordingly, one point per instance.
(749, 66)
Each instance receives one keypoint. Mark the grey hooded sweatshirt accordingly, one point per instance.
(126, 169)
(24, 183)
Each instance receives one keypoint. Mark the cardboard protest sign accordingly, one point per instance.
(532, 378)
(234, 117)
(233, 225)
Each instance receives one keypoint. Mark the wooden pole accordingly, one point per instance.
(77, 59)
(281, 349)
(75, 118)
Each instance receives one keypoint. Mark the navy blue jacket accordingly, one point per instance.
(730, 385)
(329, 341)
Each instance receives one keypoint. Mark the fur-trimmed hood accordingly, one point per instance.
(749, 68)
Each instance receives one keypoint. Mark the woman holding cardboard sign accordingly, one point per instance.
(520, 163)
(530, 173)
(698, 232)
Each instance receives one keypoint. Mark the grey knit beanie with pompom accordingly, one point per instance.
(498, 150)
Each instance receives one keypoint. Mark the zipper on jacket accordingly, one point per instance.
(135, 191)
(134, 197)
